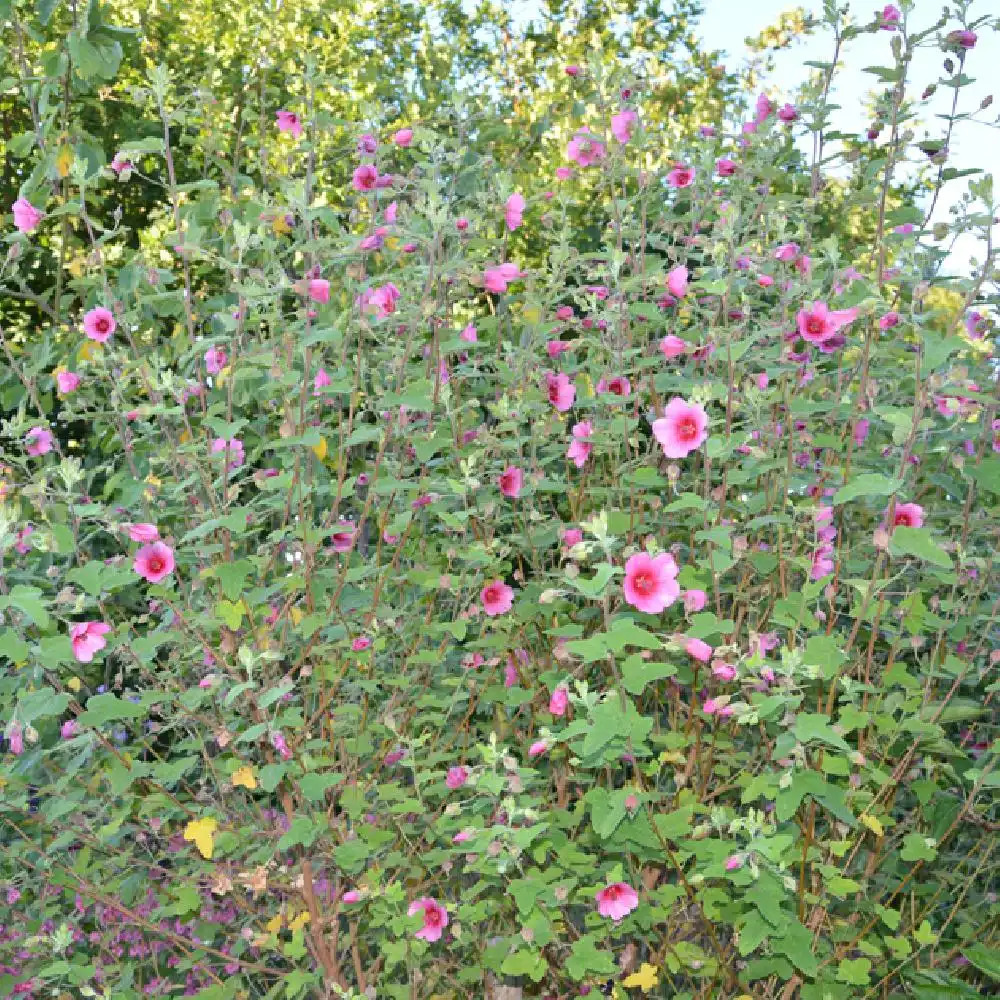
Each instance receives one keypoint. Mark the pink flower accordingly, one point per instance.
(142, 532)
(556, 347)
(616, 901)
(622, 125)
(99, 324)
(288, 121)
(351, 896)
(69, 729)
(910, 515)
(572, 70)
(461, 223)
(154, 562)
(561, 391)
(403, 138)
(384, 300)
(619, 385)
(120, 163)
(725, 167)
(564, 173)
(513, 211)
(364, 178)
(650, 583)
(788, 113)
(822, 562)
(681, 177)
(435, 917)
(964, 39)
(26, 216)
(571, 537)
(511, 481)
(319, 290)
(39, 441)
(233, 449)
(580, 448)
(890, 17)
(462, 836)
(724, 671)
(496, 279)
(672, 346)
(367, 144)
(537, 748)
(682, 428)
(87, 638)
(559, 701)
(67, 382)
(469, 335)
(343, 537)
(456, 777)
(15, 733)
(787, 252)
(698, 649)
(215, 360)
(585, 149)
(497, 598)
(360, 644)
(765, 280)
(677, 281)
(733, 862)
(694, 600)
(819, 325)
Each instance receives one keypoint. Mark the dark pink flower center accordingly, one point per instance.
(432, 916)
(154, 564)
(687, 429)
(814, 325)
(102, 325)
(644, 584)
(612, 893)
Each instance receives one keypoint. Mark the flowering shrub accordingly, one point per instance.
(431, 598)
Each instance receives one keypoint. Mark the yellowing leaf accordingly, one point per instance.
(280, 225)
(645, 979)
(296, 615)
(88, 349)
(201, 832)
(245, 776)
(531, 314)
(873, 824)
(64, 161)
(273, 925)
(319, 450)
(184, 437)
(73, 684)
(299, 922)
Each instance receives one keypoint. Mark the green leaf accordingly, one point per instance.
(301, 831)
(315, 786)
(918, 542)
(230, 613)
(987, 474)
(13, 646)
(816, 726)
(104, 708)
(854, 971)
(593, 587)
(637, 673)
(985, 959)
(796, 945)
(29, 601)
(586, 959)
(867, 485)
(41, 704)
(232, 576)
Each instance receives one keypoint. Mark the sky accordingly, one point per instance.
(727, 23)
